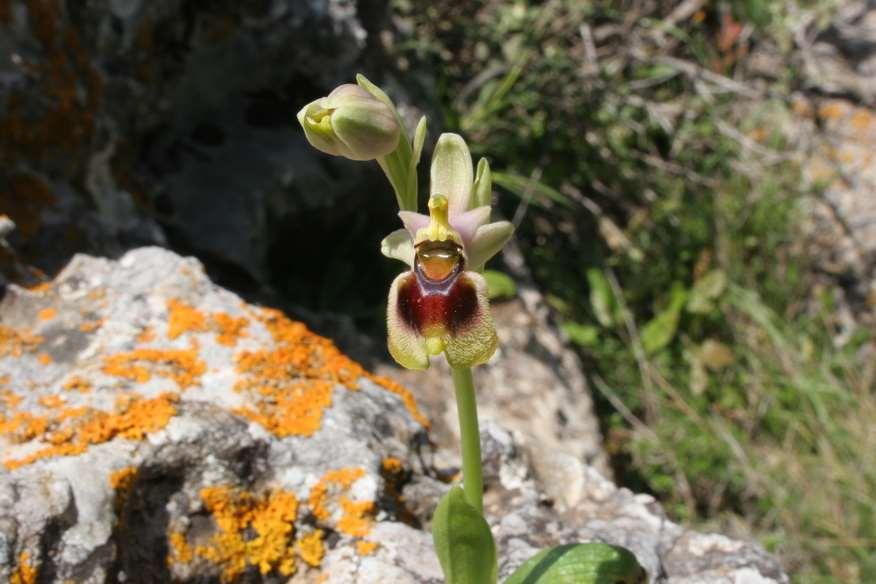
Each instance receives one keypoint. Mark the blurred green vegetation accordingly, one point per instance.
(660, 206)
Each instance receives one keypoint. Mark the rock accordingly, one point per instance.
(169, 122)
(842, 161)
(153, 424)
(597, 510)
(154, 427)
(841, 60)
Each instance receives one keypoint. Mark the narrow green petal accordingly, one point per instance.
(488, 241)
(483, 185)
(398, 245)
(405, 344)
(476, 342)
(451, 172)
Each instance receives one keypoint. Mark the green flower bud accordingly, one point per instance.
(352, 123)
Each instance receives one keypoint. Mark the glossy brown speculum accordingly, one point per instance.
(438, 260)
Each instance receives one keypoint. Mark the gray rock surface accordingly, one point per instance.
(155, 427)
(836, 130)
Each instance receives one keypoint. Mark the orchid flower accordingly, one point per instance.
(440, 304)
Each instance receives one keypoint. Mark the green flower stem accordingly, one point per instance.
(470, 437)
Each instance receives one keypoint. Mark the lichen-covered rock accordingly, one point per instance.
(155, 428)
(154, 425)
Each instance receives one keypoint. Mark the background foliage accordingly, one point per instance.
(661, 208)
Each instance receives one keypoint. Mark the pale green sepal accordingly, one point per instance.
(483, 185)
(398, 246)
(581, 563)
(488, 241)
(451, 173)
(419, 139)
(463, 541)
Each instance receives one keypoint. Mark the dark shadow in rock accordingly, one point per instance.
(50, 540)
(140, 534)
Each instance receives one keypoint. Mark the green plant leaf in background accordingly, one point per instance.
(602, 299)
(500, 286)
(659, 331)
(705, 291)
(580, 563)
(463, 541)
(583, 335)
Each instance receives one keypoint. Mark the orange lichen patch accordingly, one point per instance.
(51, 401)
(23, 426)
(180, 550)
(123, 479)
(14, 343)
(342, 478)
(862, 120)
(831, 110)
(311, 548)
(183, 318)
(229, 328)
(10, 399)
(147, 335)
(250, 531)
(25, 572)
(293, 382)
(392, 465)
(47, 313)
(356, 517)
(77, 383)
(40, 288)
(91, 325)
(295, 409)
(366, 548)
(45, 359)
(71, 431)
(406, 396)
(181, 365)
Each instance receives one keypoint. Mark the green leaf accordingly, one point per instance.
(705, 291)
(499, 285)
(602, 299)
(463, 541)
(580, 563)
(583, 335)
(660, 330)
(527, 188)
